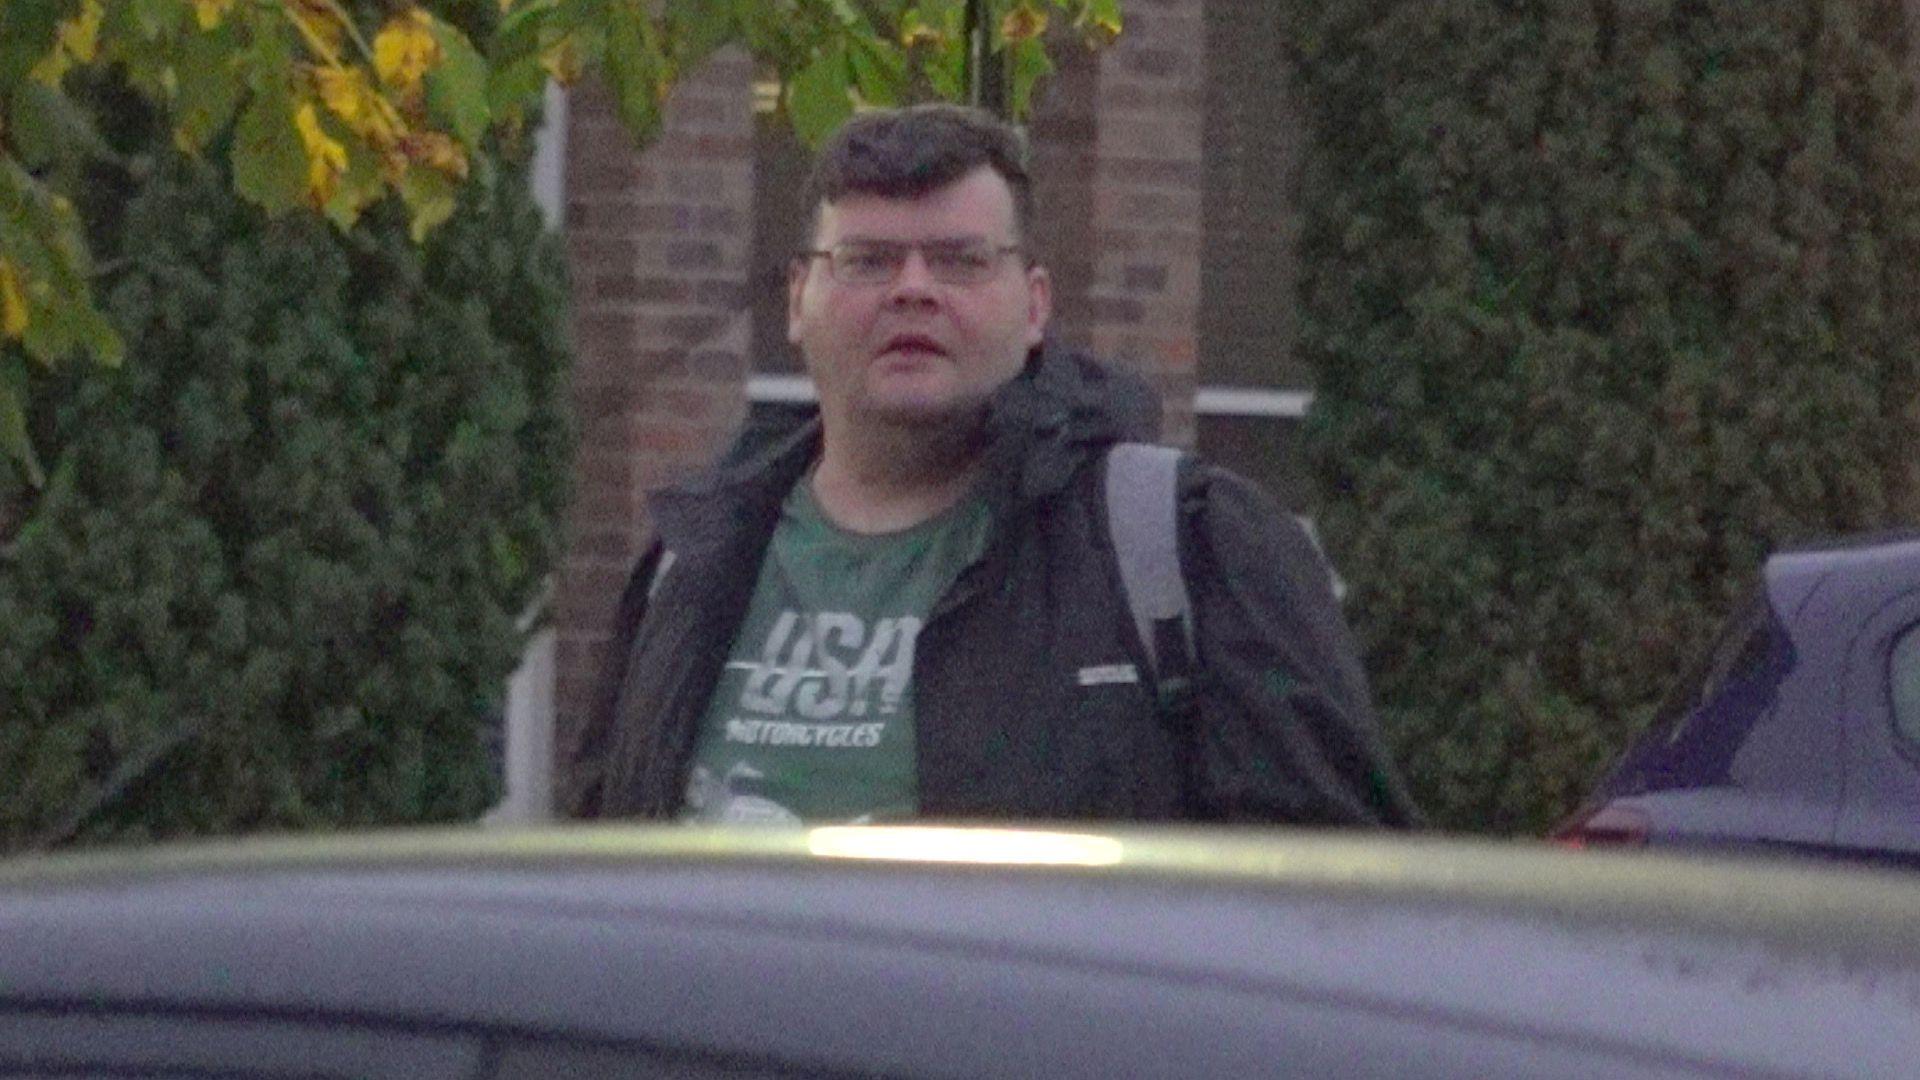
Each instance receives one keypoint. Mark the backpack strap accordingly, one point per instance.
(667, 556)
(1143, 524)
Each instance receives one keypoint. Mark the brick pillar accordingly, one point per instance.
(1063, 131)
(1143, 305)
(658, 247)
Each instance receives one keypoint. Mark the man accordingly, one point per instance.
(911, 607)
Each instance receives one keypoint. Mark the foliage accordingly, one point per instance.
(1605, 299)
(282, 559)
(336, 105)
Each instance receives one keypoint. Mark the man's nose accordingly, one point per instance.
(914, 283)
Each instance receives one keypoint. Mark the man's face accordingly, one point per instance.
(917, 348)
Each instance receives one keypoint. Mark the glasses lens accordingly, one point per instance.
(878, 262)
(867, 263)
(962, 263)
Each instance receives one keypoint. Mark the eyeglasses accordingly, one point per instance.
(879, 262)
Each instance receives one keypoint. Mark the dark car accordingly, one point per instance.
(1799, 732)
(926, 952)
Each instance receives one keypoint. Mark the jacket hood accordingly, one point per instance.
(1062, 408)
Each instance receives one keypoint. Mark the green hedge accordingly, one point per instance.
(1605, 299)
(276, 575)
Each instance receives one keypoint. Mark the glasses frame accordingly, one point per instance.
(906, 249)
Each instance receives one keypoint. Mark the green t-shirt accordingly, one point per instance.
(813, 717)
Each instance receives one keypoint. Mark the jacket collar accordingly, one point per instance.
(1041, 428)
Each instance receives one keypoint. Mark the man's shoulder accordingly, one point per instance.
(1243, 526)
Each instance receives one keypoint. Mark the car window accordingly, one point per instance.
(1903, 677)
(1699, 732)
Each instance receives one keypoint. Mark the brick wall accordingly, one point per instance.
(1063, 133)
(657, 245)
(1144, 298)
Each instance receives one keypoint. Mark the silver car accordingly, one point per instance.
(947, 952)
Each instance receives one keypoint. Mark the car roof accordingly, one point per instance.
(1858, 549)
(1780, 902)
(1063, 951)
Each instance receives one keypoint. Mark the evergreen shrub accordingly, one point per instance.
(277, 576)
(1605, 300)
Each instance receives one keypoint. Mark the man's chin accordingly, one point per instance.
(904, 407)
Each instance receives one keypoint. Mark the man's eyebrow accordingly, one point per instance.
(966, 238)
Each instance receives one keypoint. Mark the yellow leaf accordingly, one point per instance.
(437, 151)
(326, 158)
(1099, 28)
(77, 41)
(405, 50)
(1022, 23)
(13, 301)
(209, 12)
(916, 31)
(349, 95)
(562, 61)
(319, 22)
(52, 67)
(80, 35)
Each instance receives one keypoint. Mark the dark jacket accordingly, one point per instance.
(1280, 727)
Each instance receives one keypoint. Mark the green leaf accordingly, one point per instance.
(141, 20)
(849, 18)
(512, 87)
(206, 90)
(457, 88)
(431, 197)
(269, 162)
(27, 29)
(90, 332)
(265, 66)
(361, 185)
(42, 233)
(46, 128)
(819, 98)
(1027, 64)
(879, 74)
(698, 27)
(524, 22)
(1101, 19)
(14, 440)
(634, 68)
(946, 71)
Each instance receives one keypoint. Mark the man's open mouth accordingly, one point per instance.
(913, 344)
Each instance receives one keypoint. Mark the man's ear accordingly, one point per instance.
(1039, 304)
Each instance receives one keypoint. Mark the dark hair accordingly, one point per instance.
(908, 152)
